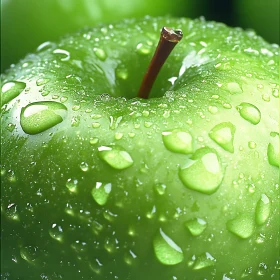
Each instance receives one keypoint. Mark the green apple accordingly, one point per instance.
(262, 16)
(99, 184)
(26, 24)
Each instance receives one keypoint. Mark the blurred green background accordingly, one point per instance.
(25, 24)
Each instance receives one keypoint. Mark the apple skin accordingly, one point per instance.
(262, 16)
(26, 24)
(94, 187)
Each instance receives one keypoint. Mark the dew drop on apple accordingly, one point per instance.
(78, 246)
(100, 53)
(11, 90)
(252, 145)
(204, 260)
(234, 88)
(12, 212)
(196, 226)
(273, 149)
(143, 49)
(40, 116)
(115, 156)
(100, 192)
(130, 257)
(160, 188)
(110, 245)
(93, 140)
(84, 166)
(242, 226)
(63, 55)
(213, 109)
(223, 135)
(203, 171)
(275, 93)
(72, 185)
(262, 269)
(56, 232)
(29, 254)
(122, 73)
(42, 81)
(166, 250)
(263, 209)
(178, 141)
(44, 46)
(109, 216)
(249, 112)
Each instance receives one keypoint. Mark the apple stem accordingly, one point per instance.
(168, 40)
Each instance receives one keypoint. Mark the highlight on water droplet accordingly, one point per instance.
(56, 232)
(72, 185)
(122, 73)
(160, 188)
(101, 192)
(196, 226)
(203, 171)
(115, 156)
(143, 49)
(223, 135)
(203, 261)
(11, 90)
(63, 54)
(263, 209)
(40, 116)
(178, 141)
(42, 81)
(242, 226)
(249, 112)
(12, 213)
(100, 53)
(166, 250)
(273, 153)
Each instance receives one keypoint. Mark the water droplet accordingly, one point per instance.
(56, 232)
(273, 153)
(166, 250)
(234, 88)
(143, 49)
(203, 261)
(223, 135)
(29, 254)
(252, 145)
(12, 213)
(84, 166)
(63, 54)
(11, 90)
(109, 216)
(266, 97)
(213, 109)
(40, 116)
(115, 156)
(42, 81)
(249, 112)
(196, 226)
(100, 53)
(118, 135)
(95, 125)
(203, 172)
(72, 185)
(93, 140)
(178, 141)
(275, 93)
(263, 209)
(122, 73)
(101, 192)
(45, 46)
(160, 189)
(263, 269)
(130, 257)
(242, 226)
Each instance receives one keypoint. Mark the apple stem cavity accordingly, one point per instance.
(168, 40)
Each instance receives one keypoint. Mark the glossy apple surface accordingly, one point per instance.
(97, 184)
(26, 24)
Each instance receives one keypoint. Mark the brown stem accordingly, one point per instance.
(168, 40)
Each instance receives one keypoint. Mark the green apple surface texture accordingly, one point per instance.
(27, 23)
(98, 184)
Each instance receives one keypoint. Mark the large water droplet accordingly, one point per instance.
(115, 156)
(196, 226)
(166, 250)
(11, 90)
(178, 141)
(100, 53)
(249, 112)
(263, 209)
(223, 135)
(242, 226)
(40, 116)
(273, 153)
(100, 192)
(234, 88)
(56, 232)
(203, 261)
(203, 172)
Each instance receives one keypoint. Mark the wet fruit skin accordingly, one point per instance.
(97, 184)
(29, 23)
